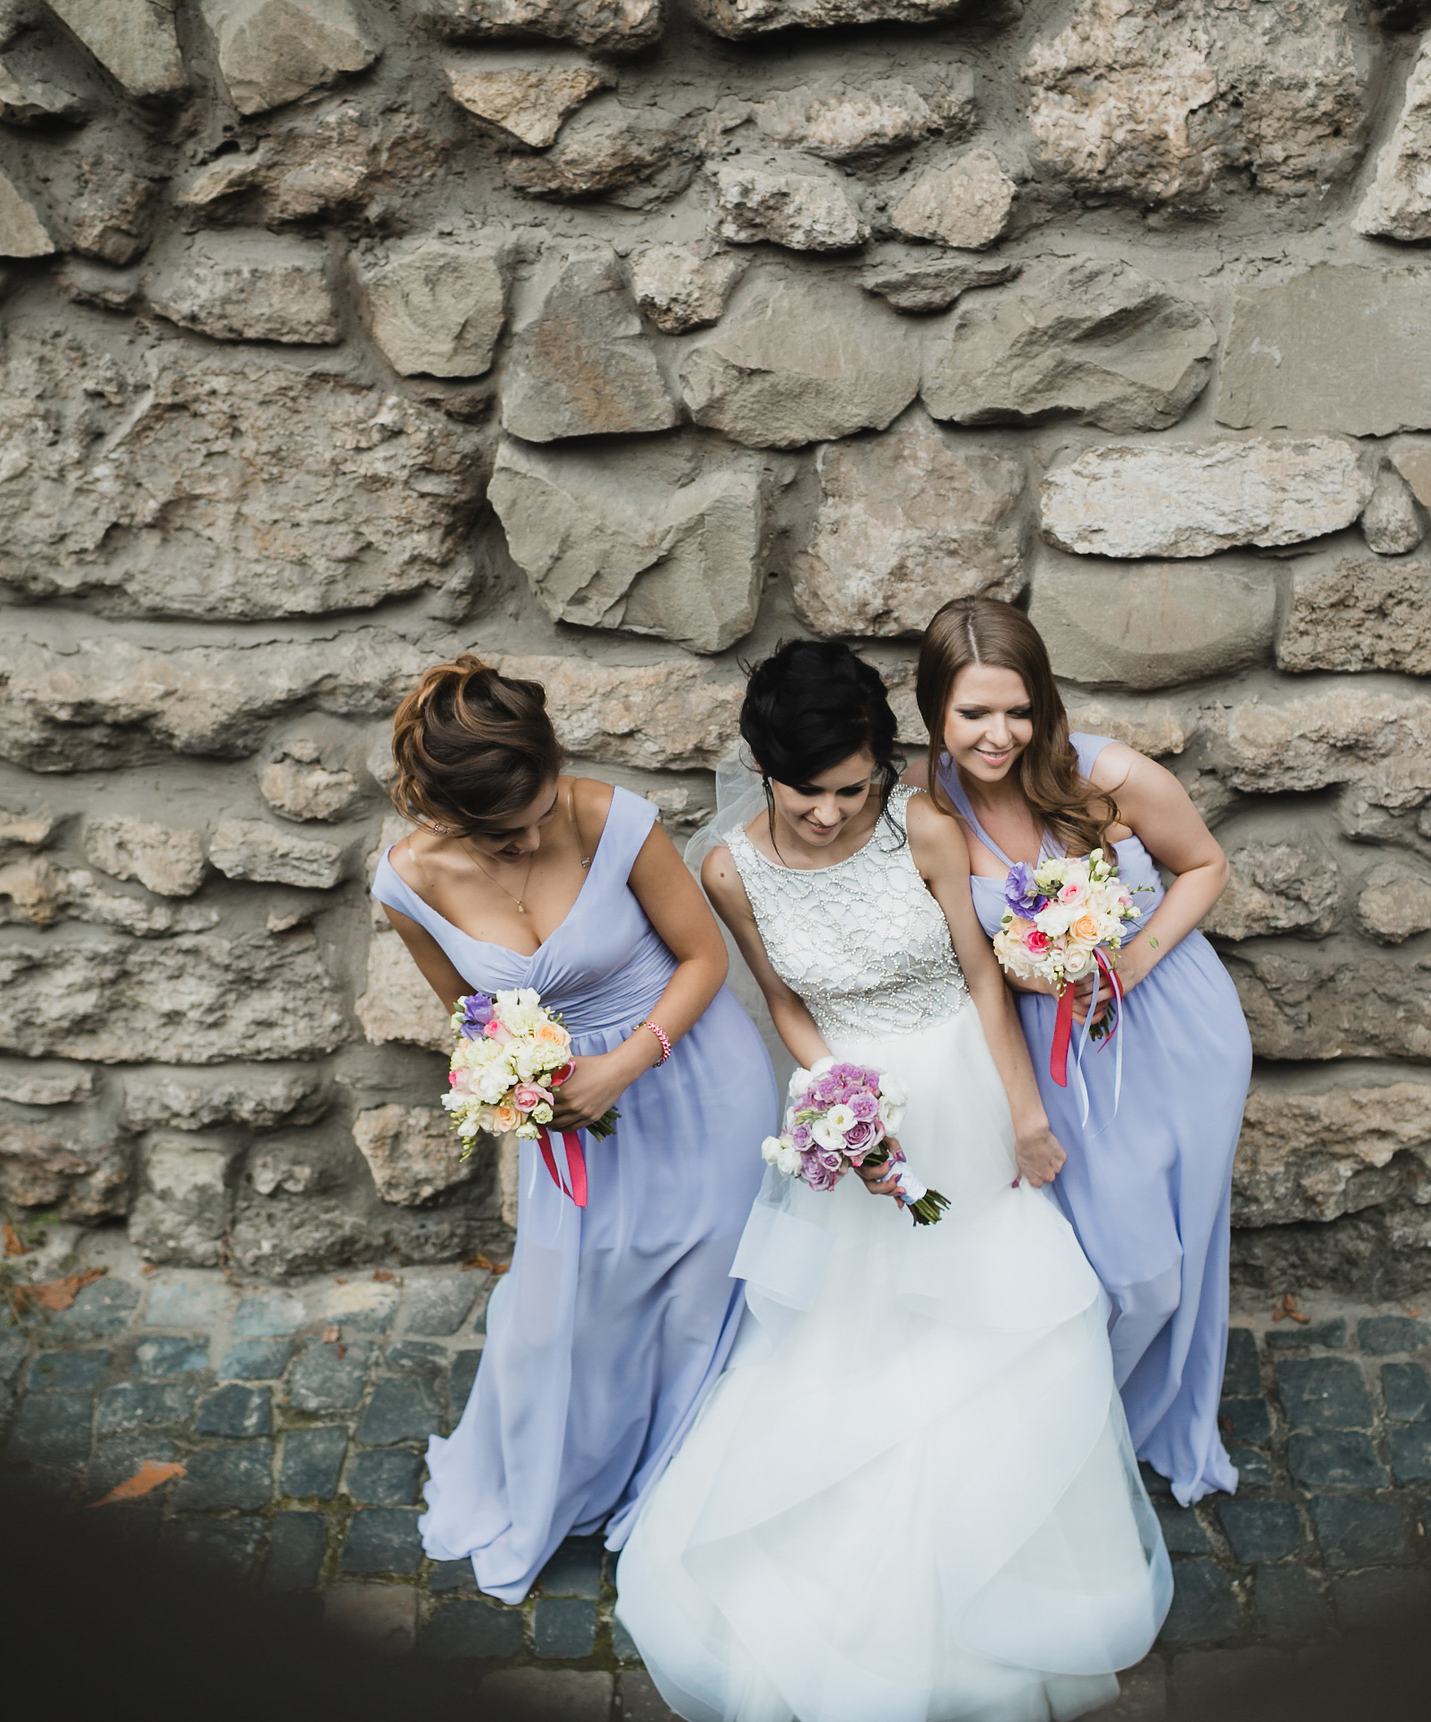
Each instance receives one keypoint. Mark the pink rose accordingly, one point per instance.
(495, 1031)
(1034, 940)
(526, 1095)
(459, 1079)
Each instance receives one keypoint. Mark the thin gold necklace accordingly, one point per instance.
(527, 878)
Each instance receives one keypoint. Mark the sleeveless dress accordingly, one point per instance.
(1148, 1190)
(614, 1320)
(911, 1496)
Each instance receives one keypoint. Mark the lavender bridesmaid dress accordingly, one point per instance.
(615, 1320)
(1147, 1190)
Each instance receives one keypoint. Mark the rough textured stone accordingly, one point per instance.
(226, 1477)
(22, 233)
(678, 287)
(1397, 204)
(1094, 340)
(968, 203)
(1204, 1605)
(185, 1100)
(249, 287)
(1333, 1001)
(738, 18)
(1276, 888)
(630, 156)
(613, 26)
(311, 1461)
(437, 306)
(28, 99)
(132, 1405)
(1323, 1393)
(1394, 904)
(399, 1411)
(235, 1411)
(1358, 614)
(163, 859)
(662, 541)
(381, 1540)
(134, 40)
(397, 1003)
(472, 1629)
(274, 51)
(786, 204)
(43, 1167)
(1190, 499)
(47, 1085)
(527, 98)
(905, 522)
(440, 1304)
(283, 491)
(1151, 100)
(413, 1153)
(933, 284)
(172, 1355)
(112, 213)
(798, 360)
(254, 849)
(183, 1210)
(298, 785)
(1391, 522)
(1289, 363)
(1260, 1530)
(580, 362)
(1153, 625)
(852, 119)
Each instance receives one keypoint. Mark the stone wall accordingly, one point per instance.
(617, 340)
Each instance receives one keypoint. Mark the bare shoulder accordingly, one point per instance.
(592, 798)
(917, 775)
(722, 881)
(413, 855)
(1116, 765)
(934, 836)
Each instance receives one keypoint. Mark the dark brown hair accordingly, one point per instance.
(987, 631)
(471, 747)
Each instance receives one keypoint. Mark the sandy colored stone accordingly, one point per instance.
(935, 284)
(1335, 999)
(1095, 340)
(611, 26)
(799, 359)
(799, 208)
(186, 1198)
(631, 156)
(678, 287)
(30, 829)
(396, 1003)
(1153, 625)
(254, 849)
(414, 1153)
(1397, 204)
(22, 233)
(437, 305)
(1358, 613)
(249, 287)
(37, 892)
(739, 18)
(854, 118)
(580, 362)
(1150, 100)
(27, 99)
(134, 40)
(1411, 456)
(1276, 888)
(58, 1168)
(274, 51)
(1391, 522)
(906, 521)
(36, 1083)
(299, 786)
(1191, 499)
(165, 859)
(1395, 903)
(968, 203)
(529, 101)
(158, 1097)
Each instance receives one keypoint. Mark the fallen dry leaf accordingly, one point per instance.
(13, 1246)
(150, 1268)
(338, 1282)
(342, 1351)
(149, 1476)
(329, 1335)
(383, 1274)
(487, 1263)
(1408, 1310)
(1287, 1310)
(60, 1294)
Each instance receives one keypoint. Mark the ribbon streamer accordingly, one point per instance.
(575, 1164)
(1103, 970)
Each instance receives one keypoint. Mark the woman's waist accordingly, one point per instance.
(891, 1011)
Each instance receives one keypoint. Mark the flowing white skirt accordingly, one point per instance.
(911, 1497)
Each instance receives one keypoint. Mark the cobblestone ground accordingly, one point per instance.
(299, 1416)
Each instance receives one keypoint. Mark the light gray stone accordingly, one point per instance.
(799, 359)
(527, 97)
(288, 1170)
(1395, 904)
(280, 1235)
(43, 1166)
(611, 26)
(299, 786)
(679, 288)
(414, 1154)
(111, 212)
(1391, 523)
(1289, 363)
(163, 858)
(905, 522)
(1276, 888)
(183, 1208)
(1411, 456)
(437, 305)
(134, 40)
(90, 283)
(40, 893)
(968, 203)
(935, 284)
(1397, 204)
(1191, 499)
(580, 363)
(632, 156)
(738, 18)
(44, 1084)
(249, 287)
(28, 99)
(158, 1098)
(1355, 613)
(798, 207)
(31, 829)
(274, 51)
(22, 233)
(1332, 1000)
(850, 119)
(1153, 625)
(396, 1003)
(1094, 340)
(197, 999)
(658, 540)
(1150, 100)
(254, 849)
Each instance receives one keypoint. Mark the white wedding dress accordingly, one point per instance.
(911, 1496)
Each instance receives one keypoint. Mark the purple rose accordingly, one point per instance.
(816, 1175)
(845, 1074)
(861, 1137)
(800, 1137)
(823, 1093)
(864, 1105)
(477, 1011)
(1020, 892)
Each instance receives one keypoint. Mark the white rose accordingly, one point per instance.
(790, 1162)
(799, 1085)
(825, 1133)
(770, 1149)
(1054, 920)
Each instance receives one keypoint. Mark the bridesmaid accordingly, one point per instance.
(615, 1319)
(1147, 1187)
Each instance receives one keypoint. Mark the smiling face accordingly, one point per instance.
(818, 811)
(988, 722)
(520, 835)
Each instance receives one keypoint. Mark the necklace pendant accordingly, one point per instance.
(521, 907)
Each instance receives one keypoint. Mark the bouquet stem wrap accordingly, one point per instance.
(575, 1164)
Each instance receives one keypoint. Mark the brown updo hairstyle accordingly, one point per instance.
(987, 631)
(472, 748)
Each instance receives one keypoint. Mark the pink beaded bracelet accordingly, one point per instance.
(660, 1035)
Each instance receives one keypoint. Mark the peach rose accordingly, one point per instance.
(552, 1034)
(1085, 929)
(505, 1118)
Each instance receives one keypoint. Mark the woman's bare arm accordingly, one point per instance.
(435, 965)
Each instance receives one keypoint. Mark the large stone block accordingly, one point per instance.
(1276, 888)
(631, 156)
(254, 849)
(1094, 340)
(40, 893)
(78, 1170)
(798, 360)
(934, 283)
(134, 40)
(248, 287)
(1397, 204)
(1391, 521)
(580, 363)
(657, 539)
(1191, 499)
(1290, 365)
(525, 96)
(274, 51)
(199, 999)
(163, 859)
(396, 1002)
(185, 1200)
(851, 119)
(1395, 903)
(968, 203)
(612, 26)
(1153, 625)
(158, 1098)
(1333, 1000)
(414, 1154)
(1358, 613)
(27, 99)
(297, 784)
(798, 207)
(679, 287)
(1150, 100)
(907, 521)
(22, 233)
(738, 18)
(437, 306)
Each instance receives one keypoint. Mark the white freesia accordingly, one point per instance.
(790, 1161)
(770, 1150)
(799, 1085)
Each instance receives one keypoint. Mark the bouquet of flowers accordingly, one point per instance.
(509, 1056)
(1062, 920)
(839, 1116)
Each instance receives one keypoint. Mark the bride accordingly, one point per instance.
(911, 1496)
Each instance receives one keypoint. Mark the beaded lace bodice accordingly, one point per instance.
(862, 942)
